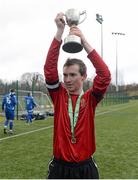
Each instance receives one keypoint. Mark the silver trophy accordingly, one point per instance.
(72, 43)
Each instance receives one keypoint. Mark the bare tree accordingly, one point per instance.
(32, 80)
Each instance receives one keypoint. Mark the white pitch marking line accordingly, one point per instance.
(105, 112)
(21, 134)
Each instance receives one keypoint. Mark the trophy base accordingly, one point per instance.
(72, 44)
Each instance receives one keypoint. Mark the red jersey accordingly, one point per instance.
(85, 146)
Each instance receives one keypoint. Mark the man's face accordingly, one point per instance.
(73, 79)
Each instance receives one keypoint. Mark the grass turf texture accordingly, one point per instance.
(27, 155)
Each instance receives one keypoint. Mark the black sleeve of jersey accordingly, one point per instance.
(52, 85)
(98, 96)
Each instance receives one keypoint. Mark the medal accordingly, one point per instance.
(73, 140)
(73, 119)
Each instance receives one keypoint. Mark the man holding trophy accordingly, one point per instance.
(74, 110)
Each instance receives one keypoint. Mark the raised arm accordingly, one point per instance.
(103, 76)
(50, 67)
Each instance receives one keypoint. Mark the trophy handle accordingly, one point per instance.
(65, 19)
(81, 13)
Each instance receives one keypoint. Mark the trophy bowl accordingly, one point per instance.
(72, 44)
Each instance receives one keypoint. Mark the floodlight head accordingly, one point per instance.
(118, 33)
(99, 18)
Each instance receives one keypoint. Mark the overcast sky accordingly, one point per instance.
(27, 28)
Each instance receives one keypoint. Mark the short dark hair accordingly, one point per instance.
(12, 90)
(80, 63)
(28, 94)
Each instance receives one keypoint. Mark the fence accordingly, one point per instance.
(112, 98)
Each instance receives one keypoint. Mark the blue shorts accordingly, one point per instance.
(9, 115)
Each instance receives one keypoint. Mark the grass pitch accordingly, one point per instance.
(25, 155)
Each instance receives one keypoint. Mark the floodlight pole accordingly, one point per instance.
(17, 95)
(117, 34)
(99, 19)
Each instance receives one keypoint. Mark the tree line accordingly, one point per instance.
(36, 82)
(28, 82)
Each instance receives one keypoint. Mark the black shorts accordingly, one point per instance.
(59, 169)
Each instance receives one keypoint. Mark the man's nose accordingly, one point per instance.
(68, 79)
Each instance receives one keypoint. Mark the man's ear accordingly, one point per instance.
(84, 77)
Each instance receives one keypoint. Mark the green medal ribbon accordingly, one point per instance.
(73, 119)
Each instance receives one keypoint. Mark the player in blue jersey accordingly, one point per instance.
(30, 105)
(8, 106)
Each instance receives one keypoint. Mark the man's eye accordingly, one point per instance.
(65, 75)
(72, 74)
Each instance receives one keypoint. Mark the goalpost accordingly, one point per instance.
(42, 100)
